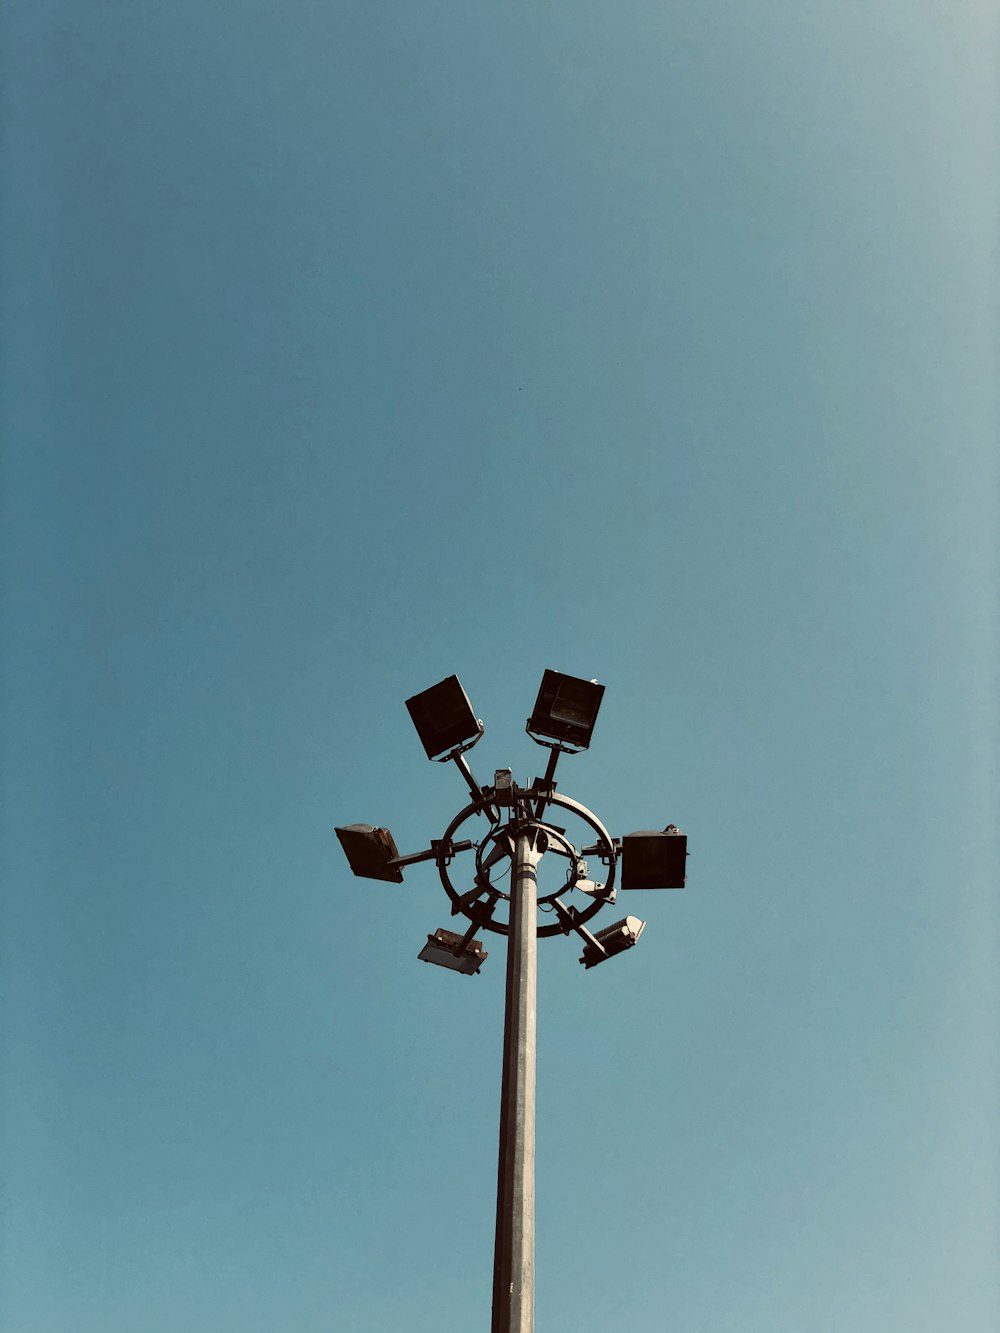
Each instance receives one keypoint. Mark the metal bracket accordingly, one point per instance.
(569, 917)
(477, 921)
(545, 786)
(601, 851)
(477, 793)
(468, 901)
(439, 851)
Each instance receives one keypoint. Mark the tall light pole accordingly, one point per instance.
(514, 1248)
(517, 838)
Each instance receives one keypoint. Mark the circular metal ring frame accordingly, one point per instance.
(607, 850)
(554, 835)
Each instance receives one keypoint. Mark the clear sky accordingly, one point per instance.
(349, 344)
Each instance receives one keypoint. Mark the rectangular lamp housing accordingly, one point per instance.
(369, 851)
(652, 860)
(566, 708)
(443, 717)
(615, 939)
(440, 949)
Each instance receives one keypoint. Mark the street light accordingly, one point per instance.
(565, 710)
(652, 860)
(370, 852)
(613, 940)
(449, 950)
(444, 718)
(518, 835)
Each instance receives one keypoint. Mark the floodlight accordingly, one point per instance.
(566, 709)
(369, 851)
(652, 860)
(614, 939)
(440, 948)
(444, 718)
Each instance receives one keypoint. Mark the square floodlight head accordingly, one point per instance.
(369, 851)
(616, 939)
(652, 860)
(566, 708)
(443, 717)
(440, 948)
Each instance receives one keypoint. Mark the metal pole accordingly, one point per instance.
(514, 1254)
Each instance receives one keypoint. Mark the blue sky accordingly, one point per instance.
(350, 345)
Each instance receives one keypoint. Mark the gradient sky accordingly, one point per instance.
(351, 344)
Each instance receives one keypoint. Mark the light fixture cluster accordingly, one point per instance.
(562, 720)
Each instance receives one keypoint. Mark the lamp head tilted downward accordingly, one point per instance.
(369, 851)
(613, 940)
(446, 949)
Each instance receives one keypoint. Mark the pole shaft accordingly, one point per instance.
(514, 1253)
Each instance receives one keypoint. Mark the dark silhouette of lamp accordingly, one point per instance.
(652, 860)
(565, 710)
(369, 851)
(444, 718)
(453, 951)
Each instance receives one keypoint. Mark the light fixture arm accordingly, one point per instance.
(477, 921)
(467, 903)
(607, 851)
(548, 781)
(475, 791)
(439, 850)
(568, 915)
